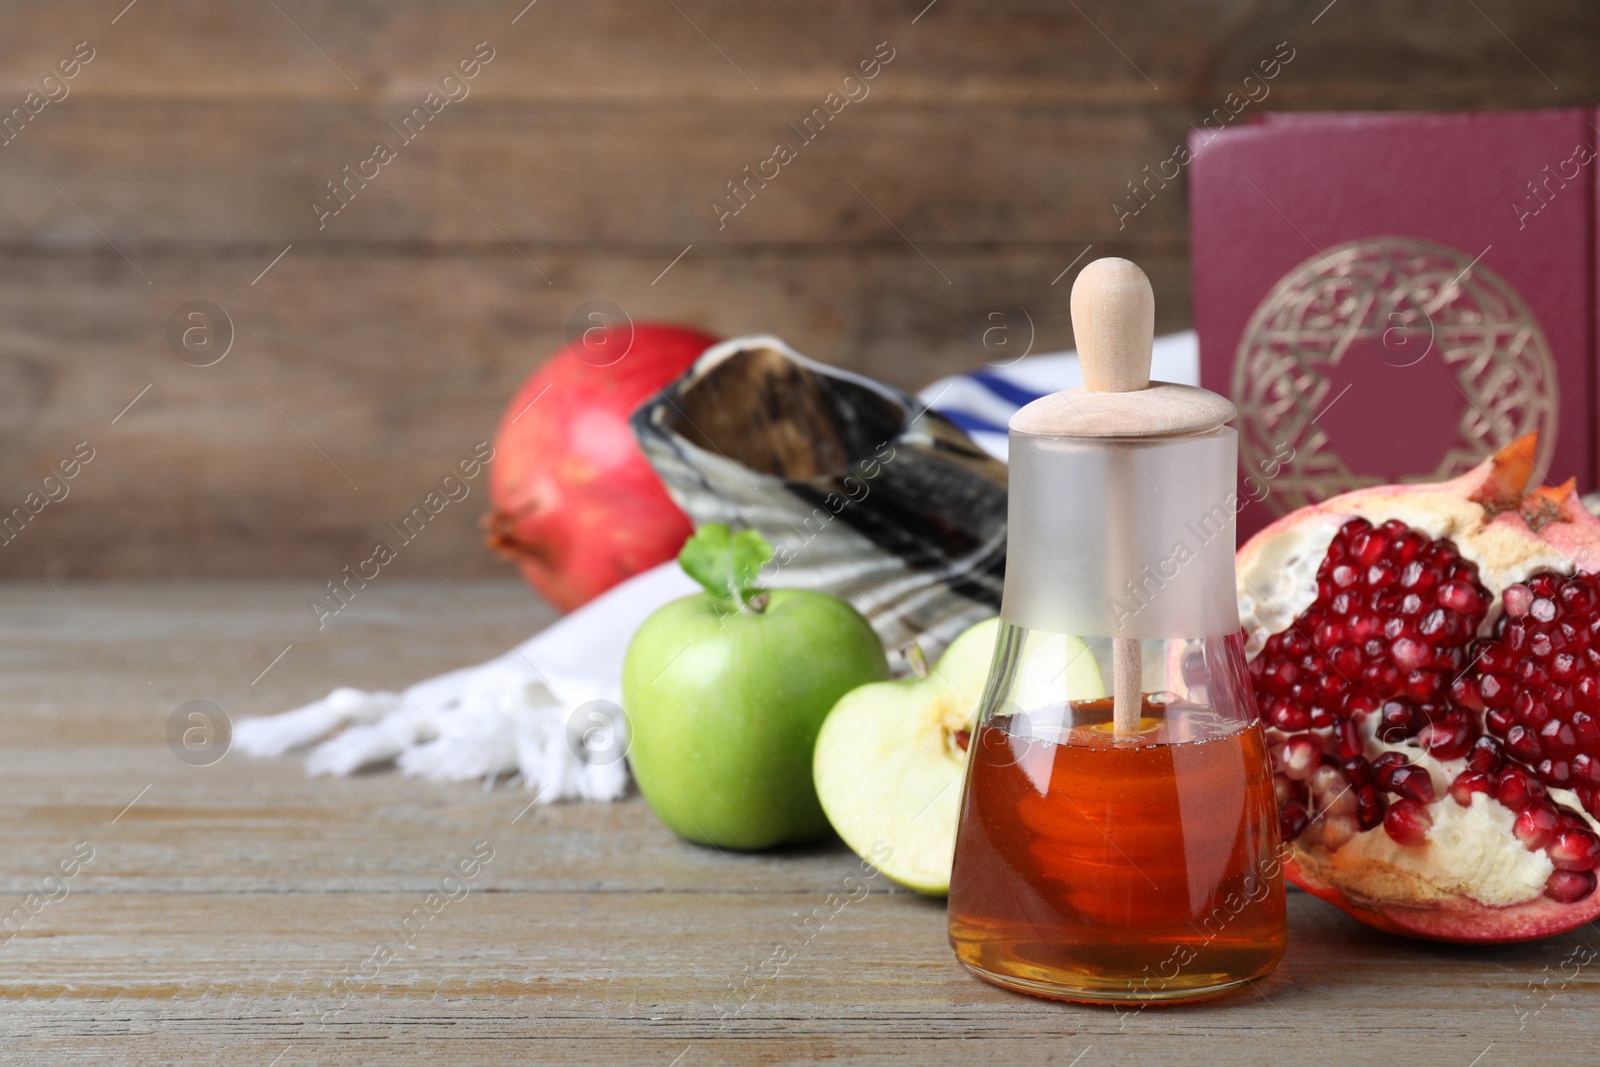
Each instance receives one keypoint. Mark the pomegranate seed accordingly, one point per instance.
(1516, 788)
(1523, 744)
(1544, 584)
(1542, 609)
(1409, 545)
(1292, 819)
(1358, 705)
(1485, 755)
(1422, 686)
(1365, 626)
(1459, 596)
(1385, 765)
(1447, 739)
(1577, 598)
(1567, 819)
(1517, 599)
(1527, 708)
(1554, 772)
(1515, 635)
(1498, 721)
(1287, 717)
(1495, 691)
(1347, 737)
(1575, 850)
(1586, 769)
(1281, 677)
(1408, 822)
(1409, 654)
(1557, 738)
(1465, 785)
(1398, 722)
(1366, 547)
(1331, 793)
(1282, 790)
(1357, 771)
(1536, 825)
(1585, 731)
(1569, 887)
(1413, 783)
(1369, 807)
(1301, 754)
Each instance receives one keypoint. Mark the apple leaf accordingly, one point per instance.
(726, 563)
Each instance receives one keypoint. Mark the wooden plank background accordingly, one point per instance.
(585, 158)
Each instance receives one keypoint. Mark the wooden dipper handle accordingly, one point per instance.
(1114, 322)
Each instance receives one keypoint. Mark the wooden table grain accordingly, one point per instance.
(242, 913)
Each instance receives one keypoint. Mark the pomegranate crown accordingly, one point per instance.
(1506, 486)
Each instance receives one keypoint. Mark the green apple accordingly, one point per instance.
(725, 690)
(891, 758)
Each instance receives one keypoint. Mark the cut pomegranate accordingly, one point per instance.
(1427, 663)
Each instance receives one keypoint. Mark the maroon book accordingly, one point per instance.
(1392, 297)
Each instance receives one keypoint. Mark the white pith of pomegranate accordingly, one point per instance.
(1427, 663)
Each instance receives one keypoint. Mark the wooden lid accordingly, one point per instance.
(1113, 316)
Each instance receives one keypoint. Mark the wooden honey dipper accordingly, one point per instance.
(1113, 319)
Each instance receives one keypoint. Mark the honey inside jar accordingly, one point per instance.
(1106, 869)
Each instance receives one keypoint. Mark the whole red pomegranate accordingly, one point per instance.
(1427, 662)
(574, 501)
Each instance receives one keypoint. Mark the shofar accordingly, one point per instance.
(863, 491)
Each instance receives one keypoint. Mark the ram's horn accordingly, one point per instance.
(863, 491)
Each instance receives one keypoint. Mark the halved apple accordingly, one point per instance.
(891, 756)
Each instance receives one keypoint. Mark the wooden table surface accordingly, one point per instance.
(229, 914)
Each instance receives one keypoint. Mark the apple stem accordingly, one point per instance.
(757, 604)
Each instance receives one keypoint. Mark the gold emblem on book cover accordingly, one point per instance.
(1405, 300)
